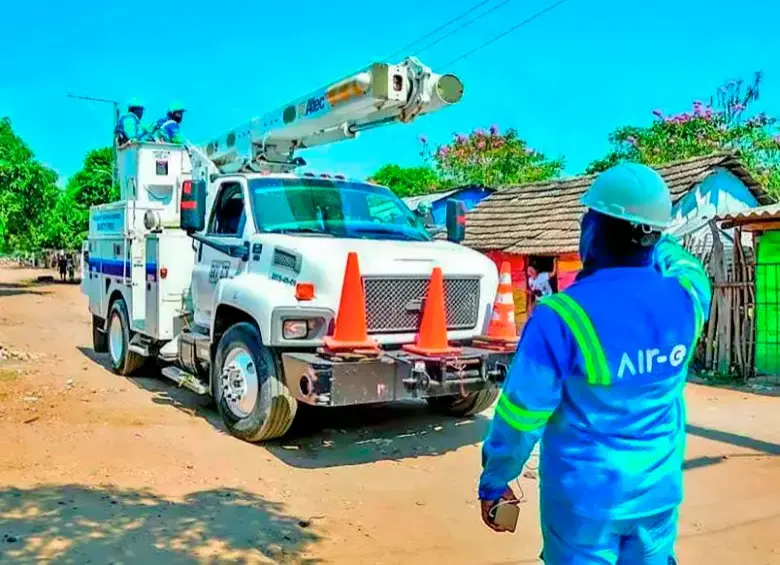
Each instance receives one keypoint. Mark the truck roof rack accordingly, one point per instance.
(378, 95)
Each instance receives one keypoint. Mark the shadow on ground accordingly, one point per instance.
(73, 524)
(736, 440)
(16, 289)
(365, 434)
(334, 437)
(709, 461)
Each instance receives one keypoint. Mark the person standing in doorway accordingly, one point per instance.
(539, 282)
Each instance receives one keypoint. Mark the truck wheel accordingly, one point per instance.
(123, 361)
(99, 337)
(473, 403)
(253, 402)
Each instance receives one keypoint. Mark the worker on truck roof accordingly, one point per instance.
(167, 129)
(130, 128)
(598, 375)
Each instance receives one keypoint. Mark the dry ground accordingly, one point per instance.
(95, 468)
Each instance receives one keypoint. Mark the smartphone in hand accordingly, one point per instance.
(505, 514)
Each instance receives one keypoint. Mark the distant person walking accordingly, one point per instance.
(62, 266)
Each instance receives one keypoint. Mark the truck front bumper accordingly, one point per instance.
(393, 375)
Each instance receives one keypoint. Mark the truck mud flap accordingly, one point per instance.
(322, 380)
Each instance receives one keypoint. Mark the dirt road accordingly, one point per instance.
(95, 468)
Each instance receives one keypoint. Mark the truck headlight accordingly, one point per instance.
(302, 329)
(295, 329)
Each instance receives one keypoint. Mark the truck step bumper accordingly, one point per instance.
(320, 380)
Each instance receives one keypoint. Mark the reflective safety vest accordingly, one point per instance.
(576, 319)
(128, 128)
(166, 130)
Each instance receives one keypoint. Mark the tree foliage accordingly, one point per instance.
(90, 186)
(483, 157)
(407, 181)
(723, 123)
(34, 213)
(491, 158)
(27, 191)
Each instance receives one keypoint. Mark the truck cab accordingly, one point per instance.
(300, 229)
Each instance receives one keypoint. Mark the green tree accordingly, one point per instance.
(91, 186)
(490, 158)
(408, 181)
(723, 123)
(27, 191)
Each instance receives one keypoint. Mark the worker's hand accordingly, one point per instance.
(508, 497)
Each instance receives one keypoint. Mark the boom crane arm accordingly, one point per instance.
(378, 95)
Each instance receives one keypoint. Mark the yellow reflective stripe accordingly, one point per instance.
(515, 423)
(521, 412)
(582, 342)
(603, 375)
(596, 366)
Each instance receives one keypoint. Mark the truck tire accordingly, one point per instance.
(123, 361)
(251, 398)
(99, 337)
(473, 403)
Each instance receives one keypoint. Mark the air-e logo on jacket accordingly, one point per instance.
(645, 360)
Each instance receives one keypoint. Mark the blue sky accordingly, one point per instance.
(564, 81)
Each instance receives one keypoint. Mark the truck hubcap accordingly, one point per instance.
(239, 382)
(116, 340)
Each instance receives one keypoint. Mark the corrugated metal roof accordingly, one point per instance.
(414, 201)
(771, 212)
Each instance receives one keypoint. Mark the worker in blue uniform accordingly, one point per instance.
(168, 129)
(598, 377)
(130, 127)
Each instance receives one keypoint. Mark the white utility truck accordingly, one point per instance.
(225, 268)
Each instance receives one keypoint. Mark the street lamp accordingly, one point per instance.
(116, 119)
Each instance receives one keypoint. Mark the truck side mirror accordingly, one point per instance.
(456, 221)
(192, 209)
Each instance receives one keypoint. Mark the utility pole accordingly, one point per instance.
(116, 119)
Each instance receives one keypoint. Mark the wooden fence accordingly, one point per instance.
(728, 342)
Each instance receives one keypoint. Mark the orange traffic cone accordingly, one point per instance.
(502, 323)
(351, 331)
(431, 339)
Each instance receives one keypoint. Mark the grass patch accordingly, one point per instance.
(8, 375)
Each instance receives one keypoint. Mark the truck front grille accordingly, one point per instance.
(394, 305)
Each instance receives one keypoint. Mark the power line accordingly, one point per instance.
(441, 27)
(505, 33)
(465, 25)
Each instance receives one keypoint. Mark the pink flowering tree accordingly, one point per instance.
(725, 122)
(489, 158)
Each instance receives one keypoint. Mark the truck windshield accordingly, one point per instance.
(332, 208)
